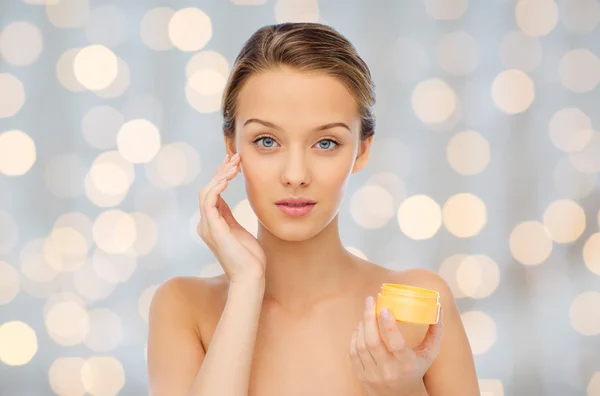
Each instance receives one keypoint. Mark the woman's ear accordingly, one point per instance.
(230, 146)
(363, 154)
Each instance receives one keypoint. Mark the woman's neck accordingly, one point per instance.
(299, 275)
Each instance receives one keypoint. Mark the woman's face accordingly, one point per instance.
(286, 154)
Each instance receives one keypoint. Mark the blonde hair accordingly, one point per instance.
(304, 46)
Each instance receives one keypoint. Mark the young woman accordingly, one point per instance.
(293, 313)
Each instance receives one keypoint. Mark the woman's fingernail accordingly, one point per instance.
(235, 156)
(369, 302)
(386, 313)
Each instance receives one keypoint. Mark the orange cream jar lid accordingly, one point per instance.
(409, 303)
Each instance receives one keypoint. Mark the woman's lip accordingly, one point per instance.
(298, 210)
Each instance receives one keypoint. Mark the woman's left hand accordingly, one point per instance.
(383, 362)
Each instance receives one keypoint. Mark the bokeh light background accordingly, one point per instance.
(484, 168)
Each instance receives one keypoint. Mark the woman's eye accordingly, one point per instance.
(268, 142)
(328, 146)
(325, 144)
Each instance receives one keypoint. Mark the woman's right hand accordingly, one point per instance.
(238, 251)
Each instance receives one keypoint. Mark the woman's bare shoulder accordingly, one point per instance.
(196, 293)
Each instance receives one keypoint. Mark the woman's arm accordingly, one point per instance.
(453, 371)
(177, 363)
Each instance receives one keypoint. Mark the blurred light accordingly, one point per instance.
(587, 160)
(100, 126)
(176, 164)
(65, 377)
(468, 153)
(513, 91)
(41, 2)
(207, 74)
(371, 206)
(593, 387)
(106, 330)
(433, 101)
(449, 270)
(570, 182)
(481, 331)
(91, 286)
(34, 264)
(580, 16)
(67, 322)
(138, 141)
(9, 232)
(18, 343)
(478, 276)
(491, 387)
(446, 9)
(21, 43)
(464, 215)
(154, 28)
(144, 302)
(536, 17)
(249, 2)
(211, 270)
(419, 217)
(66, 249)
(113, 268)
(68, 14)
(64, 175)
(17, 153)
(144, 106)
(207, 60)
(357, 252)
(119, 85)
(297, 11)
(109, 178)
(521, 51)
(579, 70)
(114, 231)
(77, 221)
(65, 71)
(391, 183)
(12, 95)
(244, 215)
(564, 220)
(530, 243)
(570, 129)
(410, 60)
(584, 313)
(103, 375)
(190, 29)
(106, 26)
(94, 192)
(591, 253)
(146, 234)
(207, 82)
(9, 283)
(95, 67)
(458, 53)
(202, 103)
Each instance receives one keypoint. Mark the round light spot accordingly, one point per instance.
(579, 70)
(17, 153)
(468, 153)
(570, 129)
(190, 29)
(68, 14)
(587, 160)
(433, 101)
(103, 375)
(144, 302)
(65, 377)
(65, 71)
(419, 217)
(371, 206)
(409, 60)
(297, 11)
(106, 25)
(491, 387)
(584, 313)
(357, 252)
(570, 182)
(448, 271)
(106, 330)
(564, 220)
(207, 82)
(66, 249)
(146, 234)
(481, 331)
(67, 322)
(9, 232)
(9, 283)
(536, 17)
(114, 231)
(154, 28)
(464, 215)
(530, 243)
(580, 16)
(18, 343)
(513, 91)
(446, 9)
(591, 253)
(478, 276)
(117, 166)
(391, 183)
(176, 164)
(100, 126)
(207, 61)
(109, 178)
(20, 43)
(12, 95)
(138, 141)
(91, 286)
(202, 103)
(64, 175)
(77, 221)
(34, 264)
(113, 268)
(521, 51)
(95, 67)
(249, 2)
(457, 53)
(593, 387)
(119, 84)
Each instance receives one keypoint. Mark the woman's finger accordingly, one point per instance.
(430, 346)
(372, 338)
(364, 354)
(394, 339)
(354, 358)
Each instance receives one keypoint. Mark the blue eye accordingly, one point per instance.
(327, 140)
(266, 139)
(268, 143)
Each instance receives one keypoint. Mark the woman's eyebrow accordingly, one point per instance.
(319, 128)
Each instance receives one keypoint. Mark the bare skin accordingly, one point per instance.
(289, 332)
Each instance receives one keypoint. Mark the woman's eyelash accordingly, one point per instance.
(337, 142)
